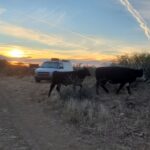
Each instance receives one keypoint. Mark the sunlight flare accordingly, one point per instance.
(16, 53)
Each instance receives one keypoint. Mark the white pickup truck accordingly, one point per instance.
(45, 71)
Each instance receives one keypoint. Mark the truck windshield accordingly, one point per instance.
(50, 65)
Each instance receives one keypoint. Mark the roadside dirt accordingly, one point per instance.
(26, 124)
(29, 121)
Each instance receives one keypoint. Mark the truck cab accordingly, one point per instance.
(45, 71)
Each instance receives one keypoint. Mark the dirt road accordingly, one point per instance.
(25, 126)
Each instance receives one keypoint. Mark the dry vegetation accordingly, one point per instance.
(118, 121)
(140, 60)
(7, 69)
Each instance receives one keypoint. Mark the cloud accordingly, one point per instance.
(72, 41)
(67, 46)
(55, 16)
(137, 16)
(2, 10)
(54, 19)
(39, 55)
(29, 34)
(66, 42)
(86, 43)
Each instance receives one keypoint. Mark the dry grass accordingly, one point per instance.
(7, 69)
(117, 119)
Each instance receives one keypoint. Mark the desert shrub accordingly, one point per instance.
(137, 60)
(17, 71)
(85, 113)
(7, 69)
(3, 63)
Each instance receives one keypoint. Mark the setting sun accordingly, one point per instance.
(16, 53)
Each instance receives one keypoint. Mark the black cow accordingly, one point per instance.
(116, 75)
(67, 78)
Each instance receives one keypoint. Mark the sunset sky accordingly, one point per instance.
(91, 30)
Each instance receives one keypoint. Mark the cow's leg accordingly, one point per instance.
(120, 87)
(103, 86)
(128, 88)
(80, 86)
(58, 88)
(97, 87)
(74, 87)
(80, 90)
(51, 88)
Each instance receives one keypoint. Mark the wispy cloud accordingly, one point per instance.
(30, 34)
(2, 10)
(31, 54)
(70, 41)
(54, 19)
(73, 33)
(73, 39)
(55, 16)
(137, 16)
(68, 46)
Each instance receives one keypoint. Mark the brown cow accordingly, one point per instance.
(67, 78)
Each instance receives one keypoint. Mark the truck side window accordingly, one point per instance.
(61, 66)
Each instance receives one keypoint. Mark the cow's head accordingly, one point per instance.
(83, 73)
(86, 71)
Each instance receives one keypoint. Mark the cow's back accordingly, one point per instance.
(63, 77)
(115, 74)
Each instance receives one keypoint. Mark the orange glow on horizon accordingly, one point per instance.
(24, 53)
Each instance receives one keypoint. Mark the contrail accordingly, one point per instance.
(137, 16)
(82, 36)
(61, 28)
